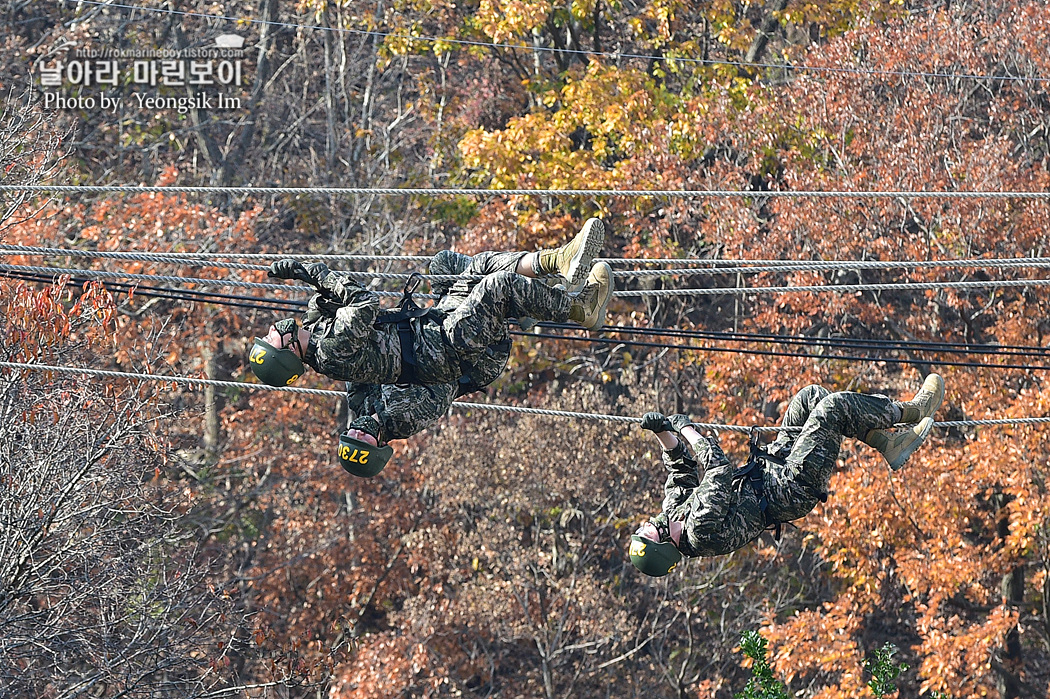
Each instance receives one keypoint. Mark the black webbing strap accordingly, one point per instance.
(407, 311)
(402, 318)
(752, 473)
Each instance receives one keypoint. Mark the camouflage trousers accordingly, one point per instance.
(794, 488)
(478, 309)
(347, 345)
(475, 326)
(722, 513)
(402, 410)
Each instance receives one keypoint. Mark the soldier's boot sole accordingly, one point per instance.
(896, 447)
(589, 307)
(573, 260)
(925, 402)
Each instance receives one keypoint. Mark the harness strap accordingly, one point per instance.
(407, 311)
(402, 318)
(752, 474)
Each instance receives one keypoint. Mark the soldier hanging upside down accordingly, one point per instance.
(403, 369)
(726, 508)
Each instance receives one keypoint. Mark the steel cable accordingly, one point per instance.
(469, 191)
(190, 381)
(724, 266)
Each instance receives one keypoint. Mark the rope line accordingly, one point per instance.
(190, 381)
(100, 274)
(581, 52)
(835, 288)
(457, 404)
(456, 191)
(741, 265)
(961, 347)
(633, 293)
(781, 353)
(164, 259)
(729, 266)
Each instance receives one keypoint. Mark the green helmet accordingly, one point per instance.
(652, 558)
(361, 458)
(275, 367)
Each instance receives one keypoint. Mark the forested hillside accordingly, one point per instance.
(167, 540)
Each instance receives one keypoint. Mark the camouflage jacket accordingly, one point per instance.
(719, 513)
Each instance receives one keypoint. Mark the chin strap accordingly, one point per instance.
(663, 528)
(289, 327)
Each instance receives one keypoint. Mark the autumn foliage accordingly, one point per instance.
(488, 558)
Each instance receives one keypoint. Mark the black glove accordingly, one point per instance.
(679, 421)
(293, 269)
(656, 422)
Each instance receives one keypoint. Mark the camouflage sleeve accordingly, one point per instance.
(710, 501)
(407, 410)
(340, 316)
(682, 477)
(358, 307)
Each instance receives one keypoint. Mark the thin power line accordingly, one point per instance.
(576, 52)
(275, 305)
(779, 353)
(461, 191)
(817, 341)
(186, 380)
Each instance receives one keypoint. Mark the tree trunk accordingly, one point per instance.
(766, 30)
(1012, 588)
(211, 405)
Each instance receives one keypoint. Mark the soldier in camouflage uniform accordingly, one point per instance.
(403, 411)
(723, 510)
(461, 346)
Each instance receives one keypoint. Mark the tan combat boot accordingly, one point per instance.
(925, 402)
(573, 260)
(896, 447)
(588, 306)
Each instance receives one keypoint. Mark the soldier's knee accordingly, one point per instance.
(814, 393)
(444, 263)
(503, 276)
(831, 404)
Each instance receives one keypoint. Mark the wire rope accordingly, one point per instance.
(734, 336)
(727, 266)
(457, 191)
(632, 293)
(732, 266)
(190, 381)
(777, 353)
(100, 274)
(256, 303)
(289, 305)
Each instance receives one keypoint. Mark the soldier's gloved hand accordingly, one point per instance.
(656, 422)
(318, 271)
(679, 421)
(312, 274)
(289, 269)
